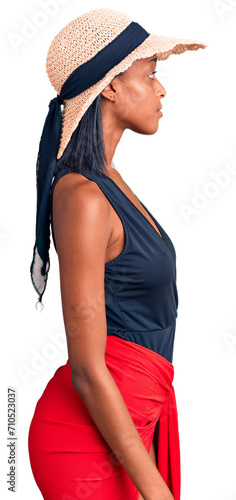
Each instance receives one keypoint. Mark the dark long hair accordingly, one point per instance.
(85, 150)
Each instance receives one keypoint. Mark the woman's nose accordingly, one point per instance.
(161, 91)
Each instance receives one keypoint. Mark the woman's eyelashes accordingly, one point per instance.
(152, 74)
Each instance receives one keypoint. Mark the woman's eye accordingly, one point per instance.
(152, 74)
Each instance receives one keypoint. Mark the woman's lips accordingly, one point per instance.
(159, 112)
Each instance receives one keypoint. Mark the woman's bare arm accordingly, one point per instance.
(82, 227)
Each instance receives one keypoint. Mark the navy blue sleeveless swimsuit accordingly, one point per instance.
(141, 296)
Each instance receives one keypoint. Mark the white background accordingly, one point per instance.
(172, 173)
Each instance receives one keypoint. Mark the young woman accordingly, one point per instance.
(106, 424)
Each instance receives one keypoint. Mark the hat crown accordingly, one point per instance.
(80, 40)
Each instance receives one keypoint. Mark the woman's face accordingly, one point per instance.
(136, 95)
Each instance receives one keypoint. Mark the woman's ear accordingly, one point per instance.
(109, 92)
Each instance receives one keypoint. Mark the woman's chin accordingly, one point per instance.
(148, 130)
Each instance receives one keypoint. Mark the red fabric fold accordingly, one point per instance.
(167, 443)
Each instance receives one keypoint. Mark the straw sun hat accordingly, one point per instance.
(81, 40)
(82, 60)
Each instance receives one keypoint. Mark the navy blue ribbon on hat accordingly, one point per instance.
(83, 77)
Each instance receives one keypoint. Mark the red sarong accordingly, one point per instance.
(69, 457)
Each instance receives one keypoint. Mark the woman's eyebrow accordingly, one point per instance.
(155, 59)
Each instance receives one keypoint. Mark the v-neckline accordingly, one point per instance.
(139, 211)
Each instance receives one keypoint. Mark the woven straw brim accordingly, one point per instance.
(75, 108)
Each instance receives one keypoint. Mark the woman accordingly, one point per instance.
(106, 424)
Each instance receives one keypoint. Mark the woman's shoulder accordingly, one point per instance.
(81, 217)
(75, 192)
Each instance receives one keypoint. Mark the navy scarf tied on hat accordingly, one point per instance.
(83, 77)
